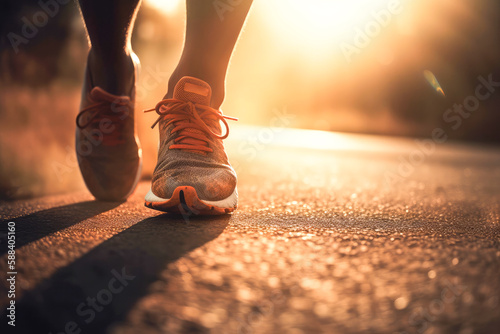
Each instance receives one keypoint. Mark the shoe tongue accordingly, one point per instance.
(100, 95)
(193, 90)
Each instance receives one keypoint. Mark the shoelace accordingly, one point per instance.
(189, 120)
(116, 118)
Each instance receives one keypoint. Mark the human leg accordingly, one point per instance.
(211, 34)
(109, 26)
(193, 174)
(107, 148)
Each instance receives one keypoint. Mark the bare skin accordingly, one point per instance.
(211, 35)
(109, 26)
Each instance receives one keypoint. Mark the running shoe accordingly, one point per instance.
(193, 174)
(107, 147)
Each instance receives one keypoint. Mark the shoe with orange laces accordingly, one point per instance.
(107, 148)
(193, 174)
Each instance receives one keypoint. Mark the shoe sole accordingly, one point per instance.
(185, 200)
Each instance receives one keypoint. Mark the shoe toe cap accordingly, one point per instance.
(210, 184)
(110, 180)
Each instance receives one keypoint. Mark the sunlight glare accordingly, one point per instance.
(320, 25)
(167, 6)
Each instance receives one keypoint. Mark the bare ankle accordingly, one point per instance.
(112, 72)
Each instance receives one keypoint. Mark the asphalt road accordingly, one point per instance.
(334, 234)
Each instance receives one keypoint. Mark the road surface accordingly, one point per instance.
(335, 233)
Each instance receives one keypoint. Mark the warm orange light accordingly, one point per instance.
(167, 6)
(322, 25)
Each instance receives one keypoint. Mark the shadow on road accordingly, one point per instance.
(100, 288)
(37, 225)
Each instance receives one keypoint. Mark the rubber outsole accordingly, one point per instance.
(185, 200)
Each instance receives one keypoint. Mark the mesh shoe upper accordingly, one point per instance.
(191, 152)
(107, 148)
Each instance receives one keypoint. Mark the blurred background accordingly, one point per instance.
(333, 65)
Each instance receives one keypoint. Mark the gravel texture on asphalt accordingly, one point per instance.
(367, 236)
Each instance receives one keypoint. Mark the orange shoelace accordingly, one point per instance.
(116, 118)
(190, 123)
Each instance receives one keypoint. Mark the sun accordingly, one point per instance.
(169, 7)
(317, 25)
(318, 30)
(311, 22)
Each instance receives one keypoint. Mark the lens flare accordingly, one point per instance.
(432, 80)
